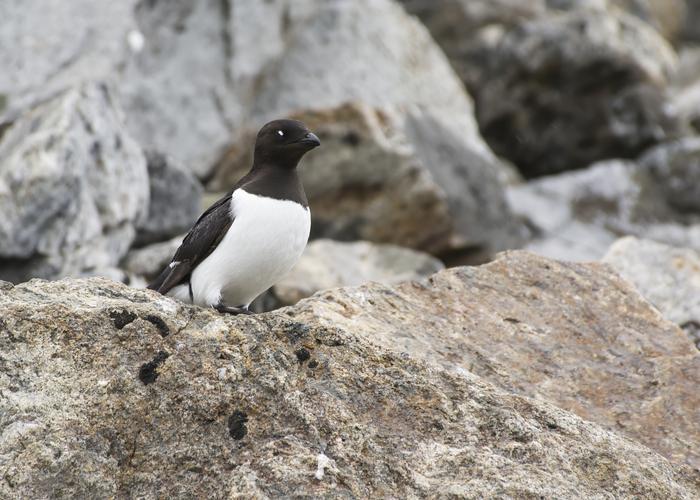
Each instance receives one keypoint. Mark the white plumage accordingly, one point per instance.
(264, 242)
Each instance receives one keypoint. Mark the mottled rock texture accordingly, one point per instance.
(544, 74)
(110, 391)
(73, 186)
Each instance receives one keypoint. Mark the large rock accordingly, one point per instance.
(675, 170)
(73, 186)
(666, 276)
(47, 46)
(150, 260)
(576, 335)
(578, 215)
(544, 74)
(112, 391)
(175, 200)
(202, 76)
(413, 184)
(331, 264)
(177, 89)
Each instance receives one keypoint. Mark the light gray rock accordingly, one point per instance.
(675, 171)
(73, 186)
(110, 391)
(150, 260)
(407, 181)
(578, 215)
(175, 200)
(542, 75)
(668, 277)
(331, 264)
(47, 46)
(176, 88)
(396, 65)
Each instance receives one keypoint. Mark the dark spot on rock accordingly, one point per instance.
(296, 331)
(148, 373)
(511, 320)
(352, 138)
(313, 364)
(302, 355)
(438, 425)
(121, 318)
(236, 425)
(159, 324)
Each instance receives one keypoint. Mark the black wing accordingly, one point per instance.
(203, 238)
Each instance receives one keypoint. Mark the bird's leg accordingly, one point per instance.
(231, 310)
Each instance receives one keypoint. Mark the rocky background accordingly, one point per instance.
(452, 130)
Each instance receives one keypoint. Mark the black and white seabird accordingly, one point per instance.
(246, 241)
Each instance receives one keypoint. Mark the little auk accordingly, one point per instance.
(249, 239)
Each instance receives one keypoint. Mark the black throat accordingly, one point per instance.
(271, 181)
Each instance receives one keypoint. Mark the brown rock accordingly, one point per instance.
(574, 334)
(114, 392)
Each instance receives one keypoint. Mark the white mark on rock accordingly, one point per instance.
(136, 41)
(323, 462)
(166, 305)
(221, 373)
(102, 382)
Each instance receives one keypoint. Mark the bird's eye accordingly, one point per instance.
(280, 133)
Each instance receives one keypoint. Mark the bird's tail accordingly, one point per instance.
(158, 282)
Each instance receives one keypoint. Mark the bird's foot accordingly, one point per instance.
(232, 310)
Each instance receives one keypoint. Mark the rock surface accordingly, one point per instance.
(414, 185)
(544, 73)
(578, 215)
(330, 264)
(73, 186)
(576, 335)
(47, 46)
(150, 260)
(175, 200)
(113, 391)
(666, 276)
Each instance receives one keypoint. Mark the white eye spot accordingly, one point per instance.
(281, 134)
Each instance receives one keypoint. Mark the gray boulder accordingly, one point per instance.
(112, 391)
(332, 264)
(563, 92)
(175, 200)
(73, 187)
(47, 46)
(675, 171)
(666, 276)
(578, 215)
(150, 260)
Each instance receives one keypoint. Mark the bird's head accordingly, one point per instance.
(283, 143)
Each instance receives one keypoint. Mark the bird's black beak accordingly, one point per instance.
(310, 140)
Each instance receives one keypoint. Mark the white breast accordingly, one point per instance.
(264, 242)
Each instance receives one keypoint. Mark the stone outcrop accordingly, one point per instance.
(73, 186)
(370, 391)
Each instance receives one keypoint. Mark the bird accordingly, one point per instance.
(251, 237)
